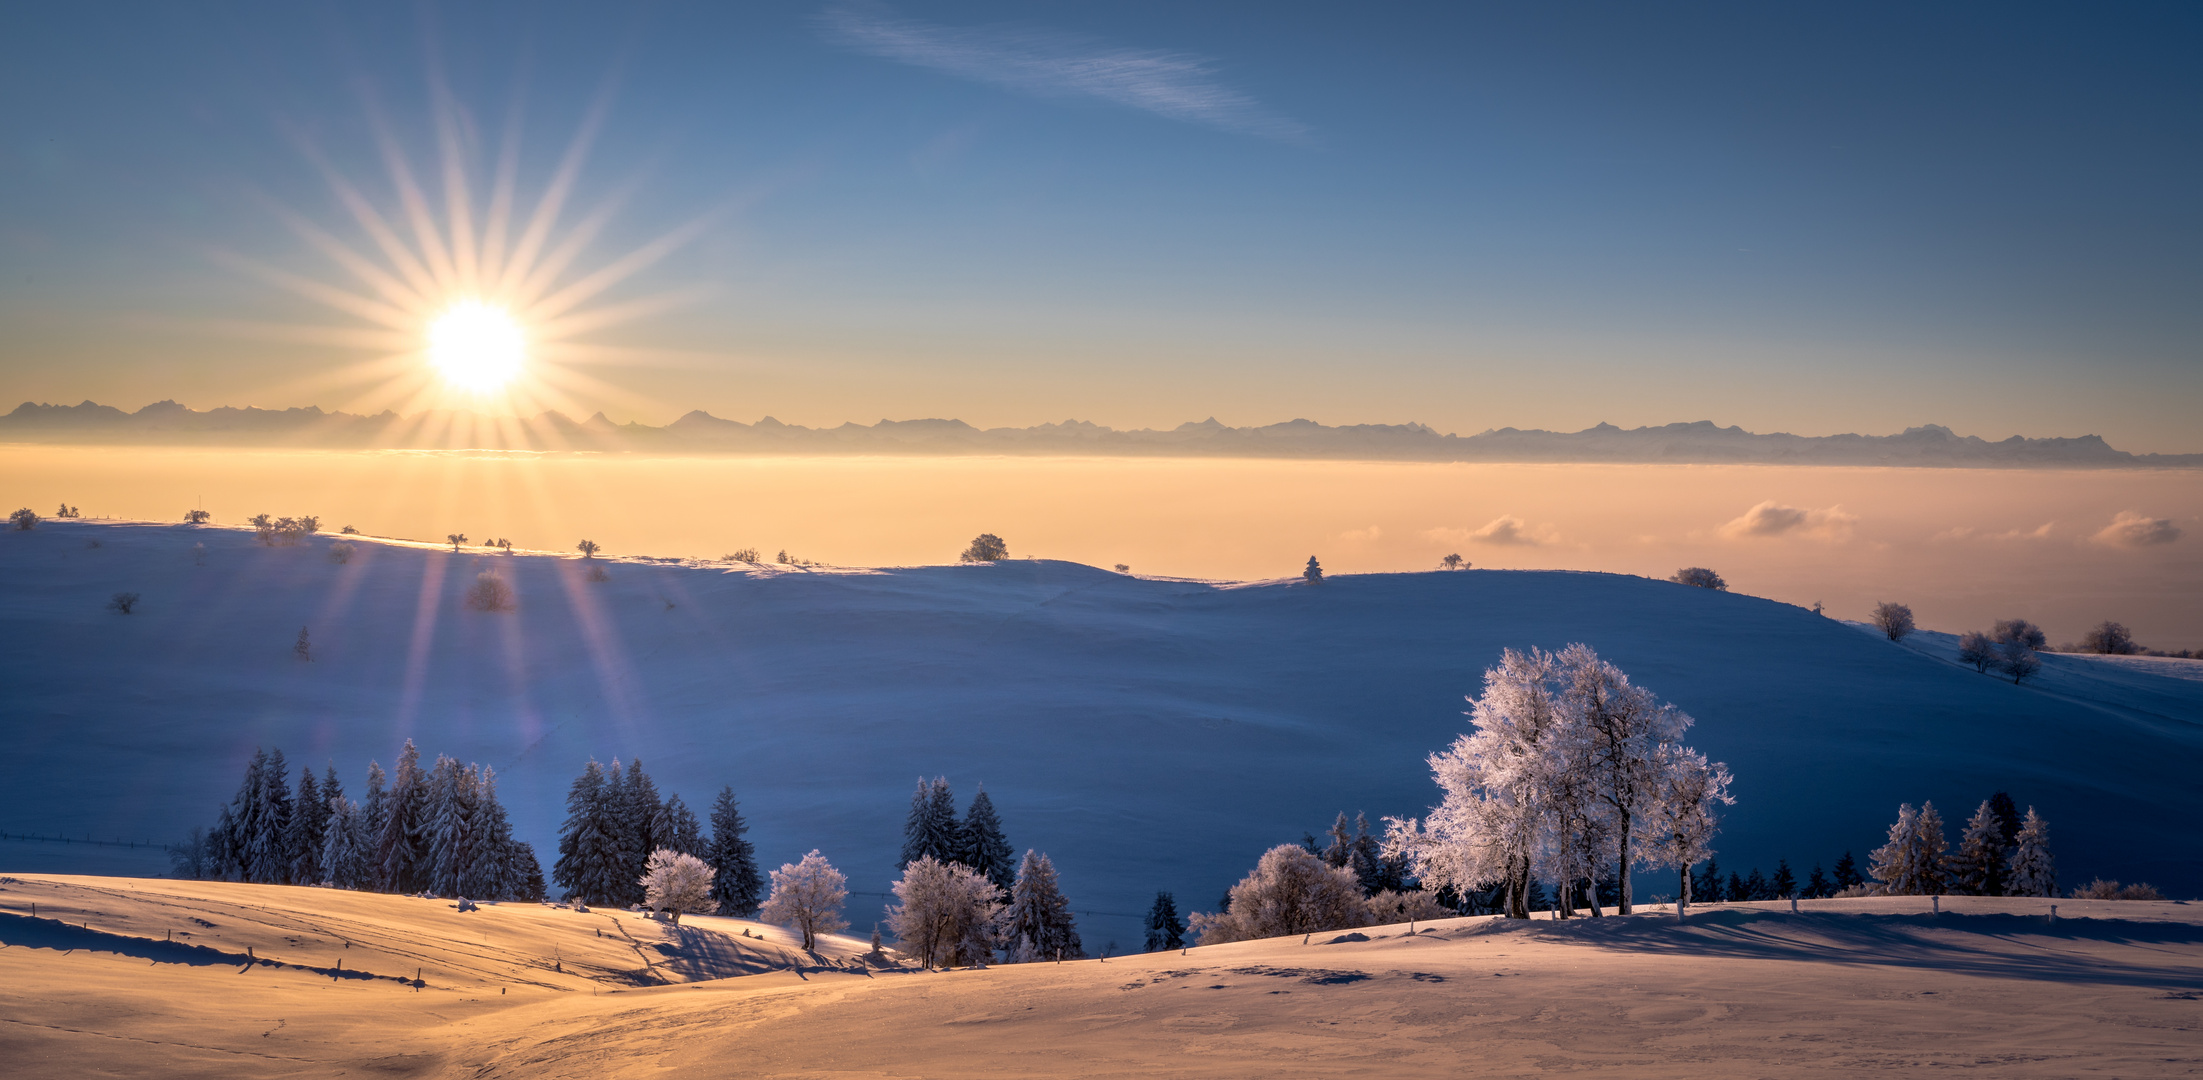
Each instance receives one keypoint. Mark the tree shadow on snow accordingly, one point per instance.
(22, 931)
(1997, 946)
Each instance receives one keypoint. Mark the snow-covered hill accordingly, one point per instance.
(1149, 734)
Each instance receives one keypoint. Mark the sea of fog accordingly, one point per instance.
(2067, 549)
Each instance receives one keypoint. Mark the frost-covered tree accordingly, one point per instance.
(343, 857)
(2007, 817)
(2033, 873)
(24, 519)
(1164, 929)
(1681, 817)
(1974, 647)
(374, 816)
(453, 826)
(1388, 906)
(401, 850)
(2017, 660)
(735, 884)
(489, 593)
(1625, 729)
(264, 823)
(1698, 577)
(309, 825)
(1353, 848)
(986, 547)
(945, 914)
(931, 830)
(1893, 620)
(687, 836)
(1289, 892)
(2109, 638)
(1911, 863)
(1038, 923)
(192, 858)
(591, 857)
(676, 882)
(2018, 632)
(649, 825)
(807, 896)
(981, 845)
(1977, 868)
(1313, 572)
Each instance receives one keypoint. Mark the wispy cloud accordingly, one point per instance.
(1048, 63)
(2130, 529)
(1770, 519)
(1964, 533)
(1506, 530)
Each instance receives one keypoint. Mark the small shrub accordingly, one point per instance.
(1698, 577)
(2101, 889)
(349, 531)
(1123, 568)
(68, 511)
(2110, 639)
(986, 547)
(122, 603)
(748, 555)
(596, 573)
(341, 552)
(455, 539)
(1893, 620)
(1974, 647)
(196, 517)
(489, 593)
(24, 520)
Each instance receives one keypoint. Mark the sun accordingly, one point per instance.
(476, 346)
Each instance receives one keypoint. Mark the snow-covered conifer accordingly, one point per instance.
(1038, 914)
(931, 830)
(807, 896)
(1977, 868)
(945, 914)
(687, 833)
(268, 841)
(401, 850)
(309, 826)
(451, 827)
(1164, 929)
(374, 815)
(676, 882)
(1911, 863)
(2033, 873)
(342, 862)
(981, 845)
(1289, 892)
(1313, 572)
(1709, 887)
(2007, 817)
(1758, 887)
(1816, 884)
(735, 884)
(590, 853)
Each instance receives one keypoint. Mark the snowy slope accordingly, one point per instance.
(1149, 734)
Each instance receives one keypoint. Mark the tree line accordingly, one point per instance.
(616, 822)
(440, 829)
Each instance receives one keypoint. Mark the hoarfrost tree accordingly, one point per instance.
(1290, 891)
(981, 845)
(1038, 924)
(1679, 830)
(1164, 930)
(807, 896)
(2018, 632)
(2109, 638)
(735, 884)
(1974, 647)
(931, 830)
(1893, 620)
(343, 860)
(2017, 660)
(1911, 863)
(1698, 577)
(309, 827)
(2032, 872)
(1626, 729)
(945, 914)
(676, 882)
(401, 849)
(1978, 869)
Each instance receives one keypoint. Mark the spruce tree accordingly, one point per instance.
(1709, 888)
(2007, 817)
(1847, 873)
(1164, 929)
(268, 850)
(1738, 890)
(1038, 922)
(309, 825)
(981, 845)
(401, 850)
(931, 831)
(1978, 867)
(1816, 884)
(2033, 873)
(590, 853)
(687, 834)
(735, 883)
(374, 815)
(1785, 883)
(1756, 887)
(648, 828)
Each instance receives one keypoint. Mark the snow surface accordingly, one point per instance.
(1147, 733)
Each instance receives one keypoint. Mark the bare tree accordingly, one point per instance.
(1699, 577)
(122, 602)
(2017, 660)
(196, 517)
(456, 540)
(588, 549)
(489, 593)
(1453, 562)
(986, 547)
(24, 520)
(1893, 620)
(2018, 632)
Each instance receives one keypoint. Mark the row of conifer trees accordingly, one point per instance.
(440, 829)
(615, 820)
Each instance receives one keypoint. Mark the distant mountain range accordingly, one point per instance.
(167, 423)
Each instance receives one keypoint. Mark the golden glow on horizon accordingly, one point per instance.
(476, 346)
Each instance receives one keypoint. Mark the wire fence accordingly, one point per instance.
(59, 838)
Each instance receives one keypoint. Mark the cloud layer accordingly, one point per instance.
(1505, 530)
(1771, 519)
(1179, 86)
(2130, 529)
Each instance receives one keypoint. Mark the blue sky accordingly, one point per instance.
(1809, 218)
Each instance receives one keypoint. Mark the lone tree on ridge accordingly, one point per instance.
(986, 547)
